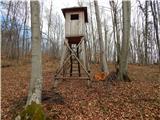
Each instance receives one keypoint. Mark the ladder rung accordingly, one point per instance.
(76, 78)
(75, 66)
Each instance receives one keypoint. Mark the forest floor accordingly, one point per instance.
(138, 99)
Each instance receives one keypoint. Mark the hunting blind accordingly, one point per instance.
(74, 61)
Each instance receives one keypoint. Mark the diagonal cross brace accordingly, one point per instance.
(73, 54)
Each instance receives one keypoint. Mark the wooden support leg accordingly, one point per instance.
(79, 71)
(88, 83)
(71, 61)
(67, 61)
(55, 83)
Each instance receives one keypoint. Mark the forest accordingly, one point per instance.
(80, 59)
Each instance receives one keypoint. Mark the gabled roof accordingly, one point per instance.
(76, 9)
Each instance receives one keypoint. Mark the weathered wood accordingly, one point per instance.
(79, 71)
(75, 31)
(78, 59)
(71, 60)
(84, 55)
(75, 27)
(73, 78)
(61, 67)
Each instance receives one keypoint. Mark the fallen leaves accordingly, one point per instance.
(100, 76)
(138, 99)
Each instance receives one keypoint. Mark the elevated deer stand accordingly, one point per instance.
(71, 66)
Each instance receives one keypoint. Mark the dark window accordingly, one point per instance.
(74, 16)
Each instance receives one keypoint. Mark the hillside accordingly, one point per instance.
(138, 99)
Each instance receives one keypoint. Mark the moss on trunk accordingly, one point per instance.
(33, 112)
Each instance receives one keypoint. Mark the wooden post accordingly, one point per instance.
(71, 61)
(83, 54)
(79, 71)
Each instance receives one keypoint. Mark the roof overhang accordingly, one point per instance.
(76, 9)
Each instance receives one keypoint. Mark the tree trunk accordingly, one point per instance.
(116, 31)
(93, 56)
(158, 9)
(35, 87)
(24, 30)
(49, 27)
(122, 73)
(106, 38)
(155, 22)
(146, 33)
(103, 62)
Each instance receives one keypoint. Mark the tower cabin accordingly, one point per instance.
(75, 19)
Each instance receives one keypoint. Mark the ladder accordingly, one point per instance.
(75, 65)
(71, 66)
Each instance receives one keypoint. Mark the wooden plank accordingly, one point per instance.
(67, 25)
(78, 62)
(77, 58)
(73, 78)
(84, 54)
(74, 27)
(71, 61)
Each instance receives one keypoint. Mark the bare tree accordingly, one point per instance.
(103, 62)
(155, 22)
(35, 88)
(93, 56)
(13, 42)
(116, 29)
(80, 3)
(126, 8)
(49, 27)
(24, 28)
(145, 33)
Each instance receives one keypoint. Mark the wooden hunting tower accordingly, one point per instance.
(74, 45)
(75, 19)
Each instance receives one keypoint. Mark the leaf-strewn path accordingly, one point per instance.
(138, 100)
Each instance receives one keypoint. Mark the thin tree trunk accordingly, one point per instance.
(103, 62)
(93, 57)
(106, 38)
(116, 31)
(49, 26)
(146, 33)
(24, 29)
